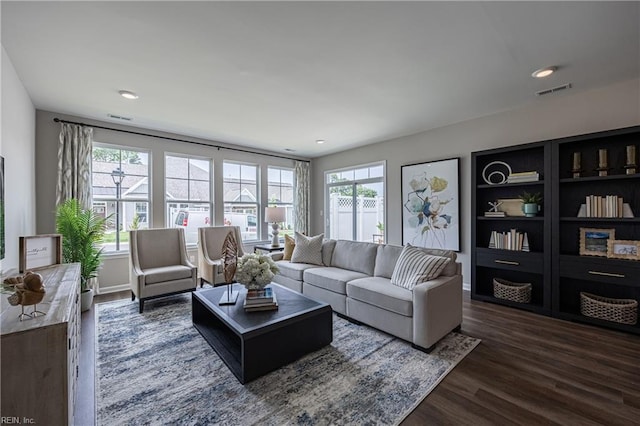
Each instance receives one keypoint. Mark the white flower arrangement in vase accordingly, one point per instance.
(255, 271)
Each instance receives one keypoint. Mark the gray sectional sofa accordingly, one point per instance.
(355, 279)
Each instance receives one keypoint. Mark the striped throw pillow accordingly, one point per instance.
(414, 267)
(307, 249)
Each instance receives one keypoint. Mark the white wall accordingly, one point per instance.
(17, 146)
(547, 117)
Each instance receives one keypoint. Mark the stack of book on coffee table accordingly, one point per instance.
(260, 300)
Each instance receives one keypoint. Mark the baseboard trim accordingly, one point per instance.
(466, 286)
(113, 288)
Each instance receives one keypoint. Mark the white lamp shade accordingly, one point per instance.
(275, 214)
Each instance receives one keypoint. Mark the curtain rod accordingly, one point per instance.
(219, 147)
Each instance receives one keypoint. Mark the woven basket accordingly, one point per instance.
(623, 311)
(508, 290)
(515, 292)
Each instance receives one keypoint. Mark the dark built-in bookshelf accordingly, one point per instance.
(554, 266)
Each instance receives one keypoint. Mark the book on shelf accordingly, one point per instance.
(511, 240)
(606, 206)
(495, 214)
(531, 176)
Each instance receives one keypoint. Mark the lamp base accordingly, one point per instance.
(229, 297)
(275, 241)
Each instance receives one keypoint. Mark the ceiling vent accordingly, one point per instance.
(119, 117)
(554, 90)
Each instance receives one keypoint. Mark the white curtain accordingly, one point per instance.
(74, 164)
(301, 197)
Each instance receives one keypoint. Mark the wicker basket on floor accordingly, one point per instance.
(515, 292)
(623, 311)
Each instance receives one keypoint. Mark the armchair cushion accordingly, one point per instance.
(166, 273)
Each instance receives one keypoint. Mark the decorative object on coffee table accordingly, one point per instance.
(230, 262)
(260, 300)
(255, 271)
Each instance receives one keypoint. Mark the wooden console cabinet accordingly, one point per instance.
(40, 355)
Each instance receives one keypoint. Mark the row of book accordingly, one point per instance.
(495, 214)
(512, 240)
(604, 206)
(521, 177)
(260, 300)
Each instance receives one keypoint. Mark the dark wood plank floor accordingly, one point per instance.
(529, 369)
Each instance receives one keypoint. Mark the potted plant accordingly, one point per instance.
(82, 232)
(530, 203)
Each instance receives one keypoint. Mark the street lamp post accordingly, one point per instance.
(118, 176)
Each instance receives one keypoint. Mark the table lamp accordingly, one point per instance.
(275, 215)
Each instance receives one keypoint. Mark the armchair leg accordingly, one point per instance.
(133, 296)
(141, 305)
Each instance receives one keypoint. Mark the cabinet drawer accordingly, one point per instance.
(601, 270)
(512, 260)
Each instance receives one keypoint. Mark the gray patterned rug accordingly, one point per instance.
(156, 369)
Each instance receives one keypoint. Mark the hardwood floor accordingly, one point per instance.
(529, 369)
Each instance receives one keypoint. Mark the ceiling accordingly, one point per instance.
(280, 75)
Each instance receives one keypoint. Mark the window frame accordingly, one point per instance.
(258, 202)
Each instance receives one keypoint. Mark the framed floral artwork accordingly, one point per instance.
(431, 204)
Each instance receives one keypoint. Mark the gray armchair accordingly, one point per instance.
(159, 264)
(210, 256)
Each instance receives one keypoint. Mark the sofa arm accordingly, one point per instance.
(276, 256)
(437, 309)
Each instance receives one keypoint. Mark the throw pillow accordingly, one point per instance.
(414, 267)
(289, 245)
(307, 249)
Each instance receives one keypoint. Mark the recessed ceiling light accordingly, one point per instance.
(320, 141)
(128, 95)
(544, 72)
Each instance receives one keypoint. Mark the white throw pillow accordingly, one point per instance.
(414, 267)
(307, 249)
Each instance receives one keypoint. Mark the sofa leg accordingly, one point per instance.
(141, 305)
(425, 350)
(133, 296)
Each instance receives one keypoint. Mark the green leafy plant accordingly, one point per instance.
(380, 226)
(82, 232)
(531, 197)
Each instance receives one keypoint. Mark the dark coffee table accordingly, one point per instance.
(254, 343)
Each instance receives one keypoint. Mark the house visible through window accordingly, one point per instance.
(355, 203)
(120, 184)
(280, 194)
(188, 194)
(241, 201)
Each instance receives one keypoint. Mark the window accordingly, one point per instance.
(120, 181)
(241, 206)
(355, 203)
(280, 194)
(188, 194)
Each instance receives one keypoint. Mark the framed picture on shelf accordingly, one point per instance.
(431, 204)
(594, 242)
(623, 249)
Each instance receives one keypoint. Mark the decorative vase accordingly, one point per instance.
(530, 209)
(86, 300)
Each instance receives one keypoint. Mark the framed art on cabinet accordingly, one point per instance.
(431, 204)
(594, 242)
(623, 249)
(39, 251)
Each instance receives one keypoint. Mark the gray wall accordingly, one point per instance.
(549, 117)
(114, 275)
(17, 146)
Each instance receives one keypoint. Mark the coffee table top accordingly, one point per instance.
(290, 305)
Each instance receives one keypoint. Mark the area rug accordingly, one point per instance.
(156, 369)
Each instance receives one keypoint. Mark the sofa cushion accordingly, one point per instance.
(293, 270)
(415, 267)
(330, 278)
(166, 273)
(379, 291)
(327, 251)
(307, 249)
(289, 245)
(355, 256)
(386, 259)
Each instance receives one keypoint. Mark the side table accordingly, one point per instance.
(267, 248)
